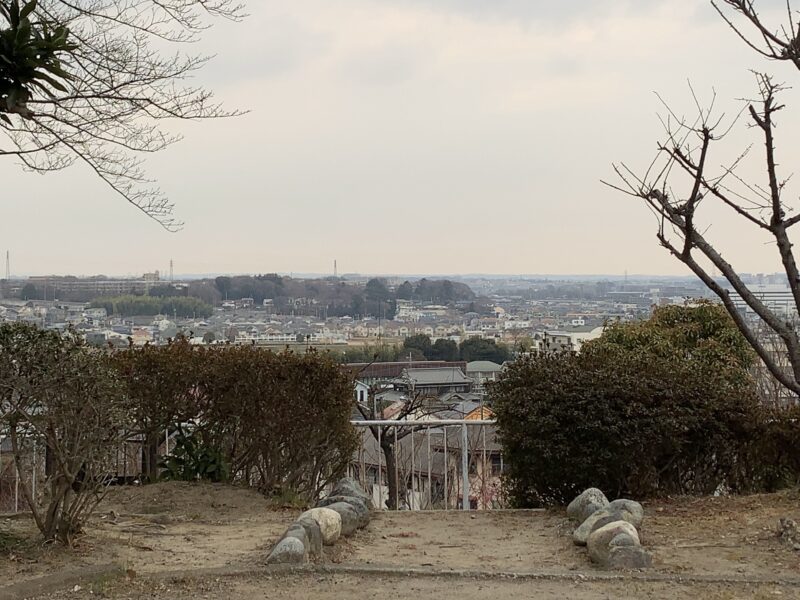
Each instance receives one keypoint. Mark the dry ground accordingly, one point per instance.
(161, 532)
(362, 587)
(165, 526)
(687, 536)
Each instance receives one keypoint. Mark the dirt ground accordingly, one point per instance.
(355, 587)
(165, 526)
(159, 533)
(687, 536)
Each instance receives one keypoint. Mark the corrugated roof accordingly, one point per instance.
(444, 375)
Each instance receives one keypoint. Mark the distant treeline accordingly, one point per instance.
(334, 297)
(136, 306)
(420, 347)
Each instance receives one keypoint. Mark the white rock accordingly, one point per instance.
(599, 542)
(329, 521)
(586, 503)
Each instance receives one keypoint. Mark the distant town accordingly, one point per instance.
(359, 317)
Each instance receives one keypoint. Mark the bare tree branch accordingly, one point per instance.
(118, 86)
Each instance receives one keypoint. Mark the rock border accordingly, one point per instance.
(609, 530)
(341, 513)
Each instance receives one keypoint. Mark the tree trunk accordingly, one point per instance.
(391, 474)
(150, 456)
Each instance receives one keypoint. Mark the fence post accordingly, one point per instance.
(464, 468)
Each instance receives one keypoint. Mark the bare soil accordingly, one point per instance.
(164, 526)
(159, 533)
(726, 537)
(355, 587)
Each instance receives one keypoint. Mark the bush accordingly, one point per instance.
(628, 425)
(664, 406)
(65, 398)
(278, 422)
(191, 460)
(282, 421)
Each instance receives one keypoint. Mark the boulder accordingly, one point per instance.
(622, 539)
(329, 521)
(289, 550)
(358, 504)
(350, 519)
(599, 542)
(313, 534)
(586, 503)
(633, 511)
(629, 557)
(347, 486)
(599, 519)
(298, 532)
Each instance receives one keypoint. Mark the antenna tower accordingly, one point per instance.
(171, 272)
(8, 265)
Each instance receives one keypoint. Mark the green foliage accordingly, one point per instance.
(481, 349)
(30, 292)
(29, 57)
(649, 409)
(132, 306)
(444, 350)
(419, 342)
(704, 333)
(191, 460)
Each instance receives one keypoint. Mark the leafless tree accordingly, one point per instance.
(682, 180)
(389, 442)
(106, 83)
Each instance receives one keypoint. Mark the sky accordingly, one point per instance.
(418, 136)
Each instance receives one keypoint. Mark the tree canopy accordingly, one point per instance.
(93, 81)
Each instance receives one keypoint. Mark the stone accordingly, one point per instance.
(289, 550)
(622, 539)
(298, 532)
(329, 521)
(633, 511)
(313, 534)
(358, 504)
(788, 533)
(350, 519)
(597, 520)
(347, 486)
(599, 542)
(629, 557)
(588, 502)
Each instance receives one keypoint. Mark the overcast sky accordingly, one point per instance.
(415, 136)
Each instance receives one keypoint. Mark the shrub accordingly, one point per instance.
(281, 420)
(664, 406)
(66, 398)
(191, 460)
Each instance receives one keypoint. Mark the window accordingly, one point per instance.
(497, 464)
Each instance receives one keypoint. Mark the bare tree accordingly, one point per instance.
(681, 181)
(65, 399)
(90, 81)
(389, 442)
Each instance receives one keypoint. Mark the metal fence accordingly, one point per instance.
(438, 464)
